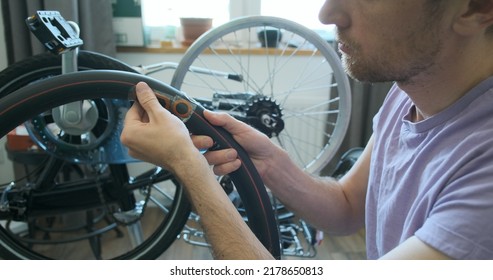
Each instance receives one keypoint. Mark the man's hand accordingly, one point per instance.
(256, 144)
(153, 134)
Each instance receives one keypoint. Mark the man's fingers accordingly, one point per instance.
(202, 142)
(226, 168)
(135, 113)
(147, 99)
(221, 156)
(225, 120)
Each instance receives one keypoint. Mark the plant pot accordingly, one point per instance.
(269, 38)
(194, 27)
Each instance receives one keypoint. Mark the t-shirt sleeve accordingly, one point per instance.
(460, 223)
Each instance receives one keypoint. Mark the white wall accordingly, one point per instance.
(6, 168)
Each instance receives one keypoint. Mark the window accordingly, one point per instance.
(306, 14)
(162, 18)
(167, 13)
(163, 13)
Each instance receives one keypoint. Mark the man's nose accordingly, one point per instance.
(333, 12)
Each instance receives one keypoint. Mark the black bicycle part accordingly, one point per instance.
(43, 95)
(259, 111)
(348, 159)
(53, 31)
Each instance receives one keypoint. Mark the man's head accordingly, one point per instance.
(399, 40)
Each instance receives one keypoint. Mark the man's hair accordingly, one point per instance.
(435, 7)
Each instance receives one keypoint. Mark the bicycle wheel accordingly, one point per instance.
(165, 215)
(294, 91)
(35, 99)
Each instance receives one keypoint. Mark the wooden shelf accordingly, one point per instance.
(240, 51)
(151, 50)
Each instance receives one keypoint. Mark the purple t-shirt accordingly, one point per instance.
(434, 178)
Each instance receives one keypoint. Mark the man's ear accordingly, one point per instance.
(475, 16)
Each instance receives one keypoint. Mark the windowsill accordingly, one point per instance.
(177, 50)
(240, 51)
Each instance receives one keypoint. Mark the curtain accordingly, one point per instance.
(366, 101)
(93, 17)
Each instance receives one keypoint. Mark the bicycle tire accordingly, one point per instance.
(44, 65)
(47, 65)
(302, 80)
(38, 97)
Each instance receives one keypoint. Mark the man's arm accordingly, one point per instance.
(330, 205)
(225, 229)
(336, 207)
(414, 249)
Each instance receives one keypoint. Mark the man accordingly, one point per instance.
(423, 187)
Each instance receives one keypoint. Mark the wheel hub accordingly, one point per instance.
(73, 123)
(94, 139)
(265, 114)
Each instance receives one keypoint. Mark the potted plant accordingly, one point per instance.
(193, 27)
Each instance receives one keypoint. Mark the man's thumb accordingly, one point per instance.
(147, 98)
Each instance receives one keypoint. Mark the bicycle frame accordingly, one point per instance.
(73, 196)
(158, 67)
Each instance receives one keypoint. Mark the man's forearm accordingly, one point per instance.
(229, 235)
(320, 201)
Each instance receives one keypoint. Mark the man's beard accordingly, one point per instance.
(377, 70)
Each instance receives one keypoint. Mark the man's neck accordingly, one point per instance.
(439, 88)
